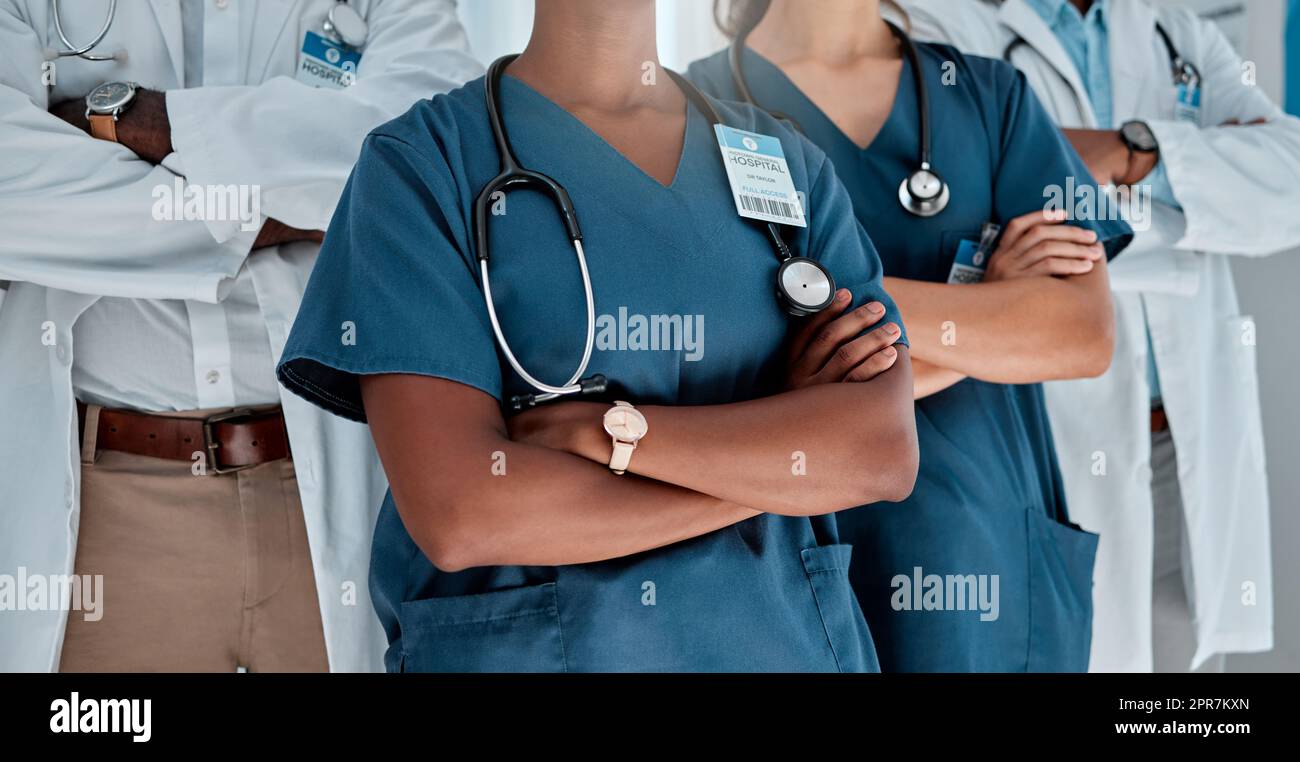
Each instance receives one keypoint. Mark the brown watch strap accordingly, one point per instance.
(230, 441)
(103, 126)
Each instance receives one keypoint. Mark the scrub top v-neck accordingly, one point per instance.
(988, 508)
(685, 291)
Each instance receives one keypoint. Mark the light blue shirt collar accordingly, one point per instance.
(1058, 12)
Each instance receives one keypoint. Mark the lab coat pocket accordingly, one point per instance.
(827, 567)
(1061, 558)
(514, 630)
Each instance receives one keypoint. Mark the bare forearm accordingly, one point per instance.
(928, 378)
(486, 500)
(274, 233)
(552, 509)
(1015, 331)
(806, 452)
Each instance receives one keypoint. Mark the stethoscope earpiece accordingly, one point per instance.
(592, 386)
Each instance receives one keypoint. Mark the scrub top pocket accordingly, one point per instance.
(827, 567)
(514, 630)
(951, 239)
(1061, 558)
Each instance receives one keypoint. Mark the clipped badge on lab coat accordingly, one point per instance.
(326, 63)
(1188, 107)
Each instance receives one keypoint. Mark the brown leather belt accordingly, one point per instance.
(231, 441)
(1159, 421)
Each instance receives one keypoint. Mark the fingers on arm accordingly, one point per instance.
(1018, 227)
(863, 358)
(1060, 266)
(1040, 234)
(833, 337)
(815, 323)
(1082, 256)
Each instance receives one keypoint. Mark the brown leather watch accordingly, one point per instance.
(105, 104)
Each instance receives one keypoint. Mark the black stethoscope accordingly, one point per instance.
(923, 192)
(803, 286)
(1184, 71)
(343, 22)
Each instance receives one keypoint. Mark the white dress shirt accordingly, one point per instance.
(78, 226)
(169, 354)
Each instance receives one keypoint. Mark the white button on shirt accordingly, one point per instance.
(160, 355)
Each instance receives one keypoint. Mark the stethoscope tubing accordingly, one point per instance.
(513, 173)
(1184, 72)
(908, 197)
(84, 50)
(571, 386)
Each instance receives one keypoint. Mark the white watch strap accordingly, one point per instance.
(622, 457)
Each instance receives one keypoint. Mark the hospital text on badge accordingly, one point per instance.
(325, 63)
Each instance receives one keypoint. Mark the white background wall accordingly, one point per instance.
(686, 32)
(497, 27)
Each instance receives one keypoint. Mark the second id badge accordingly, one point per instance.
(973, 258)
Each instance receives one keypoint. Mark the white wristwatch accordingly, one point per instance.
(626, 426)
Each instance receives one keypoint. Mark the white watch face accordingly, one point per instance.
(109, 96)
(625, 424)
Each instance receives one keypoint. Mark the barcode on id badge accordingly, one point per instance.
(769, 206)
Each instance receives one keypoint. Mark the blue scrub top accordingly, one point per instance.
(988, 501)
(771, 593)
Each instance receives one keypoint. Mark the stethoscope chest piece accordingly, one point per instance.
(346, 25)
(924, 193)
(804, 287)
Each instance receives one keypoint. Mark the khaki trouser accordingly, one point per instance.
(200, 573)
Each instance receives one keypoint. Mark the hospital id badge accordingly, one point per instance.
(326, 63)
(972, 257)
(1188, 106)
(759, 177)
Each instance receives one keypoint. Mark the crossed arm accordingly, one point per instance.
(700, 469)
(1042, 313)
(146, 130)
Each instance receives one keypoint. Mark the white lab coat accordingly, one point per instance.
(77, 224)
(1237, 187)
